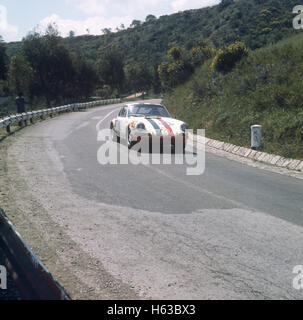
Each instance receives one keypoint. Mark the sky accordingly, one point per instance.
(19, 17)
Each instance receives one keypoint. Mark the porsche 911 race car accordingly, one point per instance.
(148, 121)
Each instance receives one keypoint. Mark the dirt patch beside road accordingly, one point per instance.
(81, 275)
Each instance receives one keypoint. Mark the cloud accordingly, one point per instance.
(96, 7)
(100, 14)
(134, 8)
(7, 31)
(93, 24)
(181, 5)
(90, 7)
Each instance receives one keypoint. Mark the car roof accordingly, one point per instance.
(143, 104)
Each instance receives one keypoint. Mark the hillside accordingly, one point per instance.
(264, 88)
(254, 22)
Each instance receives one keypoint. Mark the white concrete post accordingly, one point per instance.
(256, 137)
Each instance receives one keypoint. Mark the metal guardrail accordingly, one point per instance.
(18, 118)
(32, 279)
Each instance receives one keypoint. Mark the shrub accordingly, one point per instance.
(200, 54)
(175, 73)
(226, 58)
(175, 53)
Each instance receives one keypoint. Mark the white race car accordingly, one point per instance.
(139, 121)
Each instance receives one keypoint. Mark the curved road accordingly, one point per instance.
(151, 231)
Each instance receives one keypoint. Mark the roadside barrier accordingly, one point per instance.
(31, 277)
(29, 116)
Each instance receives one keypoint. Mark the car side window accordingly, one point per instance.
(123, 113)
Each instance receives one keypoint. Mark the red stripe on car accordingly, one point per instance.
(167, 126)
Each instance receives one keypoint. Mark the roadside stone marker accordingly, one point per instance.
(256, 137)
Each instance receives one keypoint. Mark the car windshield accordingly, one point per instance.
(143, 110)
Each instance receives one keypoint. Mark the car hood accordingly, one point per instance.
(158, 125)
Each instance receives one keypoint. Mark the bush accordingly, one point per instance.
(175, 53)
(200, 54)
(175, 73)
(226, 58)
(176, 70)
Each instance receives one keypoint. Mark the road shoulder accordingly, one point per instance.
(261, 160)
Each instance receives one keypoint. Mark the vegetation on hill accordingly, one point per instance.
(254, 22)
(264, 87)
(223, 68)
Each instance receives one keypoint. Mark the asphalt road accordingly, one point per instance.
(167, 189)
(234, 232)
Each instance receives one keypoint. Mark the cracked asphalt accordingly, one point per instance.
(150, 232)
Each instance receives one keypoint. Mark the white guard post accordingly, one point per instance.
(256, 137)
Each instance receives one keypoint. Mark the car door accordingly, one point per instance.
(122, 123)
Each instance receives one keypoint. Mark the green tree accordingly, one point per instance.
(111, 68)
(85, 79)
(136, 23)
(164, 74)
(52, 65)
(156, 81)
(150, 18)
(20, 75)
(199, 54)
(225, 3)
(139, 78)
(175, 53)
(226, 58)
(3, 60)
(175, 71)
(107, 30)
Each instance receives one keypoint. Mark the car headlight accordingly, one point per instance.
(141, 126)
(184, 127)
